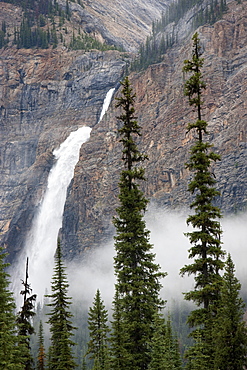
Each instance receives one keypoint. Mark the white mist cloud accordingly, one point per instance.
(94, 272)
(171, 248)
(235, 242)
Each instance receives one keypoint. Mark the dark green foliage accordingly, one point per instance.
(176, 11)
(53, 37)
(42, 20)
(24, 318)
(152, 50)
(158, 345)
(34, 37)
(60, 356)
(119, 354)
(45, 7)
(9, 351)
(164, 346)
(205, 239)
(24, 39)
(197, 357)
(81, 337)
(41, 353)
(3, 39)
(160, 40)
(172, 353)
(230, 330)
(98, 331)
(33, 32)
(68, 14)
(86, 42)
(137, 275)
(210, 13)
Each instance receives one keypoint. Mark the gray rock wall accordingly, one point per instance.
(44, 95)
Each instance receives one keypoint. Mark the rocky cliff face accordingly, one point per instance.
(123, 23)
(43, 100)
(163, 113)
(44, 95)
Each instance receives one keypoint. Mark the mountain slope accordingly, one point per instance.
(163, 113)
(45, 94)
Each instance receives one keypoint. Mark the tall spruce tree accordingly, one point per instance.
(9, 350)
(60, 354)
(98, 331)
(25, 327)
(138, 276)
(205, 239)
(230, 331)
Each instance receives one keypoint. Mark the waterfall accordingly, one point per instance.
(41, 242)
(107, 101)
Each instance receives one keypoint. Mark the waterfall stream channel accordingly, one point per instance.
(41, 241)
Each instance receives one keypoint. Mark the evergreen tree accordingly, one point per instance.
(41, 353)
(60, 356)
(205, 239)
(119, 354)
(9, 351)
(157, 345)
(164, 346)
(172, 355)
(54, 39)
(98, 331)
(197, 357)
(230, 330)
(137, 274)
(24, 322)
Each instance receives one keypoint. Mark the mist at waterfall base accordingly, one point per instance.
(171, 248)
(41, 242)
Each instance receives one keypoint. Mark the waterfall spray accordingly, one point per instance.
(41, 242)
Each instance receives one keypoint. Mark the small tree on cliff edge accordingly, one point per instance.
(137, 275)
(206, 249)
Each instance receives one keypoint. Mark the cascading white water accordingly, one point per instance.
(42, 240)
(107, 101)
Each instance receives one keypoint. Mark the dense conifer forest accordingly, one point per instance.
(164, 37)
(43, 26)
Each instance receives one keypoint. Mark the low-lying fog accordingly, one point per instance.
(171, 248)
